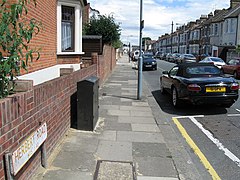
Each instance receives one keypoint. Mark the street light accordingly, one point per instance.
(129, 44)
(139, 90)
(179, 24)
(171, 36)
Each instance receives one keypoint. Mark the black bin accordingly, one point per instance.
(87, 103)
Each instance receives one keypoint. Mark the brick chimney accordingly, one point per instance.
(210, 15)
(86, 14)
(233, 3)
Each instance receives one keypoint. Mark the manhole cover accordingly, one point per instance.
(112, 170)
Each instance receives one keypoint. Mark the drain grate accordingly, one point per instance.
(107, 170)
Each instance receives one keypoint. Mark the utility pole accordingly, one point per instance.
(171, 37)
(139, 90)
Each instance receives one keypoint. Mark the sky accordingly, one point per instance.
(158, 15)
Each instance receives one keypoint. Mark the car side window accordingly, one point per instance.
(232, 62)
(173, 71)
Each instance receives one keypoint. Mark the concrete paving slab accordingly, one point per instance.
(75, 161)
(66, 175)
(126, 93)
(155, 178)
(113, 107)
(80, 141)
(145, 127)
(119, 112)
(114, 170)
(141, 113)
(108, 135)
(110, 125)
(111, 84)
(129, 89)
(150, 150)
(140, 104)
(127, 136)
(136, 108)
(149, 166)
(132, 81)
(114, 151)
(125, 99)
(137, 120)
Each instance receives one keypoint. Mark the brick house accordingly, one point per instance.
(47, 89)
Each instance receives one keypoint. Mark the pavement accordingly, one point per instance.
(133, 139)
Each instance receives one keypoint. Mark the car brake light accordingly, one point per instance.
(234, 86)
(193, 87)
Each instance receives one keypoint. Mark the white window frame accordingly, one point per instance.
(78, 26)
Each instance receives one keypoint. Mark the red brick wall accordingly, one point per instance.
(49, 102)
(21, 114)
(106, 62)
(46, 40)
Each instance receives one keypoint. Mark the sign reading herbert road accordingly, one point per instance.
(27, 148)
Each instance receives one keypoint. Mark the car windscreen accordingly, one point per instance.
(189, 56)
(217, 60)
(203, 70)
(147, 56)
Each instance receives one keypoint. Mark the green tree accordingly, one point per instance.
(145, 39)
(238, 48)
(16, 32)
(106, 27)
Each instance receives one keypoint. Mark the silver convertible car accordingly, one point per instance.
(199, 83)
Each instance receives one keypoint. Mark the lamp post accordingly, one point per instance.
(129, 46)
(179, 24)
(139, 90)
(171, 36)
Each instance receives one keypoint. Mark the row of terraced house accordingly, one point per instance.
(215, 34)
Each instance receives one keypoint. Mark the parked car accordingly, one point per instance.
(169, 57)
(232, 67)
(149, 62)
(136, 55)
(175, 57)
(214, 60)
(163, 56)
(158, 54)
(187, 58)
(199, 83)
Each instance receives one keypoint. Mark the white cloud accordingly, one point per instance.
(157, 14)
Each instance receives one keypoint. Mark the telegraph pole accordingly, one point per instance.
(171, 37)
(139, 90)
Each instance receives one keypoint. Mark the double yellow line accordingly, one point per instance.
(196, 150)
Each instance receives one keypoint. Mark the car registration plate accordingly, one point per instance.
(148, 65)
(216, 89)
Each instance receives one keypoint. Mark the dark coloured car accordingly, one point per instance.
(199, 83)
(149, 62)
(232, 67)
(158, 55)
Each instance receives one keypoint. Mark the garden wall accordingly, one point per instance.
(22, 113)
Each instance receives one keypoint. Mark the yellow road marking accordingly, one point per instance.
(196, 150)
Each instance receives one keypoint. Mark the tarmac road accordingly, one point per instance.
(214, 130)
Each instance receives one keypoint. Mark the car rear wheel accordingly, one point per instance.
(175, 99)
